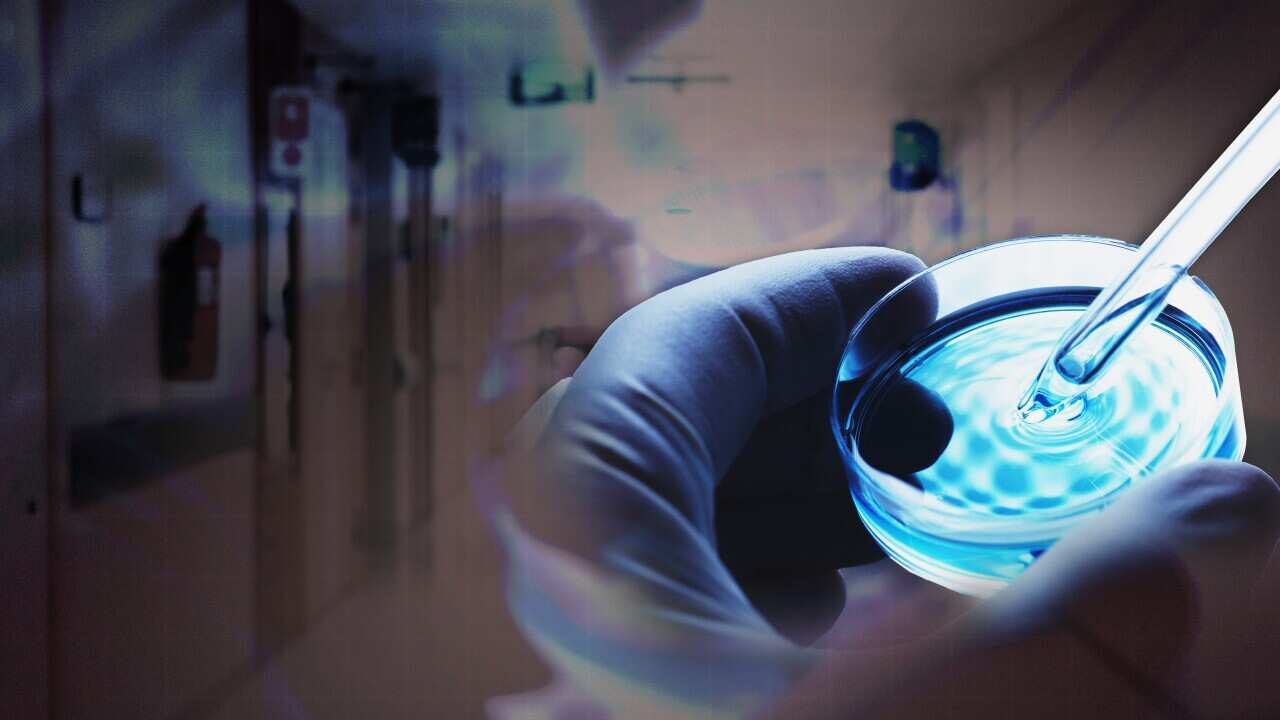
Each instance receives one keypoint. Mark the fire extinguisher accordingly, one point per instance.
(189, 300)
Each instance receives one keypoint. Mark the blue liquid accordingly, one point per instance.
(976, 458)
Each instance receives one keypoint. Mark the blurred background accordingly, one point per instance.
(277, 278)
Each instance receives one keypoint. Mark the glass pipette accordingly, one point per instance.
(1140, 293)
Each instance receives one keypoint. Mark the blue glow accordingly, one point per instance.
(1157, 407)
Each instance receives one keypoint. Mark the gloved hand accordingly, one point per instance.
(704, 409)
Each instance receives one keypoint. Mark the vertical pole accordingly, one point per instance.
(379, 320)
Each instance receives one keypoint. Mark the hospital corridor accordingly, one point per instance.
(293, 294)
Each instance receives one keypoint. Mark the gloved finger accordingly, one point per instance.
(785, 523)
(612, 561)
(673, 389)
(784, 519)
(1154, 581)
(781, 540)
(800, 606)
(783, 507)
(1109, 620)
(888, 606)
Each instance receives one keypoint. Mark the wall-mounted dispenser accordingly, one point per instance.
(916, 151)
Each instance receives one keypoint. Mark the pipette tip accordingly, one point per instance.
(1051, 397)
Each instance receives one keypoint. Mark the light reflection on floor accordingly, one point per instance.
(427, 637)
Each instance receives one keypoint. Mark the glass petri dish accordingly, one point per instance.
(945, 474)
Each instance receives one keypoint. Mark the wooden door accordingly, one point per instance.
(312, 406)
